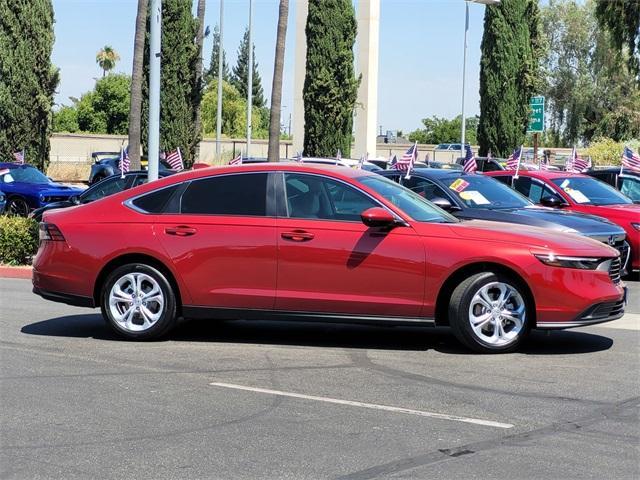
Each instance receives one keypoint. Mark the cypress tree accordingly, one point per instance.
(212, 72)
(179, 90)
(27, 79)
(240, 75)
(509, 71)
(330, 85)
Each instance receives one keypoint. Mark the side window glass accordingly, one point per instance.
(523, 185)
(535, 192)
(139, 180)
(425, 188)
(506, 179)
(242, 194)
(314, 197)
(104, 189)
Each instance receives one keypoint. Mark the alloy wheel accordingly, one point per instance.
(136, 302)
(497, 314)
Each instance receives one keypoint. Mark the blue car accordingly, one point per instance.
(27, 188)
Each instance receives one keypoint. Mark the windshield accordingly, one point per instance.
(589, 191)
(477, 191)
(26, 174)
(411, 203)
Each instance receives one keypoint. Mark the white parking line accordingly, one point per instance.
(441, 416)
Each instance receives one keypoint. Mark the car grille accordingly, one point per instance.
(615, 270)
(623, 247)
(603, 311)
(55, 198)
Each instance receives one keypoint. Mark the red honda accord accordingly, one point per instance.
(305, 242)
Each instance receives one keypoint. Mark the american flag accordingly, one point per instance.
(19, 156)
(393, 161)
(577, 164)
(174, 159)
(338, 157)
(630, 160)
(363, 159)
(470, 164)
(237, 160)
(407, 160)
(427, 158)
(489, 157)
(298, 157)
(513, 162)
(125, 163)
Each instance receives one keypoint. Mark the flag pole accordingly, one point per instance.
(220, 79)
(250, 79)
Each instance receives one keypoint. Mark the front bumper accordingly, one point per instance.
(597, 313)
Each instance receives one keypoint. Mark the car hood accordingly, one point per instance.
(537, 238)
(630, 209)
(583, 224)
(52, 188)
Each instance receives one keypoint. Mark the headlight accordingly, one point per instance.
(582, 263)
(636, 226)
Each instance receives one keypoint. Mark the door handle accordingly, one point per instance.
(298, 236)
(180, 231)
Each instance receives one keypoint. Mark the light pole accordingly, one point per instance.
(464, 61)
(220, 65)
(155, 33)
(250, 79)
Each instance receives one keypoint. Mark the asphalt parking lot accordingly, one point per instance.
(275, 400)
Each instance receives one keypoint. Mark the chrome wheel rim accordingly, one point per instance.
(136, 302)
(497, 314)
(18, 207)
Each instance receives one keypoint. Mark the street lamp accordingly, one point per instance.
(464, 60)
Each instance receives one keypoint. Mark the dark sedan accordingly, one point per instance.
(472, 196)
(627, 182)
(108, 186)
(108, 163)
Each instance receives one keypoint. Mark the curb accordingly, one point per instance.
(7, 271)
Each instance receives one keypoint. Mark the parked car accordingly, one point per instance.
(628, 182)
(26, 188)
(3, 202)
(470, 196)
(108, 163)
(104, 188)
(306, 242)
(448, 152)
(580, 193)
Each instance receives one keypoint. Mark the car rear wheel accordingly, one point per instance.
(17, 206)
(490, 313)
(138, 302)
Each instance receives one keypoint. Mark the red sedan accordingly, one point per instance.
(305, 242)
(580, 193)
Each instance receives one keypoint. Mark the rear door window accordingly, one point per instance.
(243, 194)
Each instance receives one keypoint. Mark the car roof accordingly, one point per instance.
(14, 165)
(435, 173)
(614, 170)
(541, 174)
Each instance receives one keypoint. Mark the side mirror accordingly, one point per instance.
(75, 199)
(377, 217)
(552, 201)
(444, 204)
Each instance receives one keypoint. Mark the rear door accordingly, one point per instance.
(329, 261)
(223, 241)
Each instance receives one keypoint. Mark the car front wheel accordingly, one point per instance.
(490, 313)
(138, 302)
(17, 206)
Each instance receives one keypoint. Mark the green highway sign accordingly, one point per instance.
(536, 117)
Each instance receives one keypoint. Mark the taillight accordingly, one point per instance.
(48, 231)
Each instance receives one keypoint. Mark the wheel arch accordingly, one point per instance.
(453, 280)
(136, 258)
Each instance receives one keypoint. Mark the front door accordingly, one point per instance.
(329, 261)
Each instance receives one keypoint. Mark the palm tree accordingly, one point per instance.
(107, 58)
(135, 110)
(199, 42)
(276, 86)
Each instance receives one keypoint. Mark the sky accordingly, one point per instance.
(420, 51)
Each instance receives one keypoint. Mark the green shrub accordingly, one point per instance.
(18, 240)
(606, 151)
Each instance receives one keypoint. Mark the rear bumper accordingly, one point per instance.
(69, 299)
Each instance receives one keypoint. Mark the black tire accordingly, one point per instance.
(17, 206)
(167, 312)
(460, 315)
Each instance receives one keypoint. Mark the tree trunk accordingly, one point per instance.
(276, 87)
(200, 86)
(135, 111)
